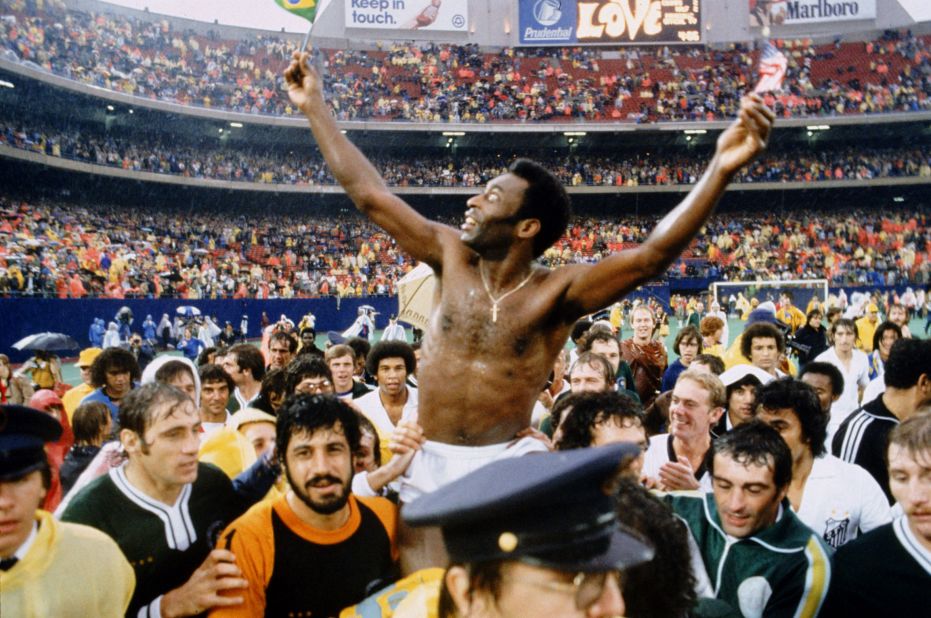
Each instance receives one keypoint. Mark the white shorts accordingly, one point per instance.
(437, 463)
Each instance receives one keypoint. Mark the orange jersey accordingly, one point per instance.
(295, 569)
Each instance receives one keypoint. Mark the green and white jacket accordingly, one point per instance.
(783, 570)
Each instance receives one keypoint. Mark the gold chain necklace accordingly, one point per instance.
(495, 301)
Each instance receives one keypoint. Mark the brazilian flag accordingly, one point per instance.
(302, 8)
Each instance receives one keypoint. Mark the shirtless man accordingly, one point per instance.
(499, 318)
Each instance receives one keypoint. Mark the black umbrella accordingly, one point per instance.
(47, 342)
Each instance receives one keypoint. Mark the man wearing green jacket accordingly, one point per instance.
(761, 560)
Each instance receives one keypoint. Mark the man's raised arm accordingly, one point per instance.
(362, 182)
(595, 287)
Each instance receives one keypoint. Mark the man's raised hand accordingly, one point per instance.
(304, 83)
(747, 136)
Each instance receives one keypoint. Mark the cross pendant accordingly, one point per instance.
(494, 312)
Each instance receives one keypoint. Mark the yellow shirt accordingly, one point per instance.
(72, 398)
(792, 316)
(865, 331)
(54, 578)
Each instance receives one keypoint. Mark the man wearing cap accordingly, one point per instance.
(676, 460)
(761, 559)
(318, 548)
(740, 386)
(44, 563)
(530, 536)
(72, 399)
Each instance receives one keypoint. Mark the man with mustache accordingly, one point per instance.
(318, 548)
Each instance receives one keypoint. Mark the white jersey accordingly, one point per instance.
(661, 452)
(371, 406)
(858, 376)
(874, 389)
(840, 500)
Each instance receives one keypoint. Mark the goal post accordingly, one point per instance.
(802, 291)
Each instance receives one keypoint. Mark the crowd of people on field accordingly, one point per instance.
(808, 431)
(428, 82)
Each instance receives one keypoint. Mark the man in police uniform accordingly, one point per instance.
(530, 536)
(44, 567)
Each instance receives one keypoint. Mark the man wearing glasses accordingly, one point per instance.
(309, 375)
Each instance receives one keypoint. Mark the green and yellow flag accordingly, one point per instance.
(302, 8)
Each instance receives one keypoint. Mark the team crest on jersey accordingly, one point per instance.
(835, 531)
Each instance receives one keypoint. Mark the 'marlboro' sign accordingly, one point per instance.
(810, 11)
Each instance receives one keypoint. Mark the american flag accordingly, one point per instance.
(772, 69)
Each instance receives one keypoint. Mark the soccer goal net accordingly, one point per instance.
(801, 291)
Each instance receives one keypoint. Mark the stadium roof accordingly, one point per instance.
(260, 14)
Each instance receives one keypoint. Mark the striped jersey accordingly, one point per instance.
(862, 438)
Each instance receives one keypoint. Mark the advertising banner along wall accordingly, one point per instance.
(767, 13)
(449, 15)
(609, 22)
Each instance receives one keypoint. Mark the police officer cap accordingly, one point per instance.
(553, 510)
(23, 434)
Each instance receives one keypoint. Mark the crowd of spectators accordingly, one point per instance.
(66, 250)
(426, 82)
(69, 251)
(170, 155)
(847, 248)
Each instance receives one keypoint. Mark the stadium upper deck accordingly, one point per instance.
(148, 61)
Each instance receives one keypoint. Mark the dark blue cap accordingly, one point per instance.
(554, 510)
(23, 434)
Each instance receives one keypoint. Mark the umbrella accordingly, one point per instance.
(46, 342)
(415, 296)
(187, 311)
